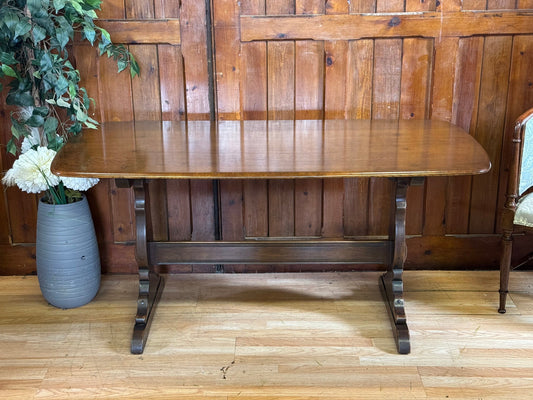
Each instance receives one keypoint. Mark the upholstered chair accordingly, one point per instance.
(518, 209)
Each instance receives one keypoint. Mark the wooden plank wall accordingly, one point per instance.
(305, 59)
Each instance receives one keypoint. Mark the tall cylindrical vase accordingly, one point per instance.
(68, 263)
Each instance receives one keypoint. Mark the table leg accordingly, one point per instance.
(391, 283)
(150, 283)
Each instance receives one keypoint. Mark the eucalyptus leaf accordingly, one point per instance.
(7, 70)
(89, 33)
(59, 5)
(90, 125)
(7, 58)
(81, 115)
(38, 8)
(42, 111)
(62, 103)
(35, 121)
(50, 125)
(38, 34)
(16, 133)
(62, 37)
(22, 28)
(11, 147)
(77, 6)
(11, 20)
(95, 4)
(17, 98)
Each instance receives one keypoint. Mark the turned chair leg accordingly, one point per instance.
(505, 268)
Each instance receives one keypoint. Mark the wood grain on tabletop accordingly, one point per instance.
(229, 149)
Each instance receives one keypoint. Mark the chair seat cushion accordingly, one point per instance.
(524, 211)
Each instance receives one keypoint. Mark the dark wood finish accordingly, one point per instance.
(150, 284)
(294, 251)
(403, 150)
(284, 149)
(508, 213)
(391, 283)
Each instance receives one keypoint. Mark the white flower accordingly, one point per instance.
(28, 143)
(9, 178)
(31, 171)
(81, 184)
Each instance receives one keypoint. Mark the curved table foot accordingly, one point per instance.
(149, 293)
(397, 314)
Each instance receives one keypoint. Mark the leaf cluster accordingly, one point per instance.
(35, 36)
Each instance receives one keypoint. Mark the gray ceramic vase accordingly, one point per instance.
(68, 263)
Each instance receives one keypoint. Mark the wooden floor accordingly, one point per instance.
(274, 336)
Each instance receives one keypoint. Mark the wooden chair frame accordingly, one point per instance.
(510, 206)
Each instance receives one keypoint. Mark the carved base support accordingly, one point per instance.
(150, 290)
(391, 283)
(150, 283)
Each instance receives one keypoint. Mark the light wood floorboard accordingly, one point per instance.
(272, 336)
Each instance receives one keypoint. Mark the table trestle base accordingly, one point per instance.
(391, 252)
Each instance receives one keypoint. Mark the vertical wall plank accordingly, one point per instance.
(227, 43)
(281, 106)
(253, 69)
(524, 4)
(116, 104)
(22, 208)
(173, 108)
(202, 210)
(171, 74)
(444, 69)
(386, 105)
(194, 49)
(179, 209)
(112, 9)
(334, 107)
(147, 106)
(231, 201)
(256, 208)
(87, 63)
(362, 6)
(309, 92)
(360, 64)
(254, 106)
(466, 100)
(489, 131)
(386, 101)
(414, 104)
(280, 80)
(280, 63)
(309, 79)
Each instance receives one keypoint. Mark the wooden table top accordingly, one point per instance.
(273, 149)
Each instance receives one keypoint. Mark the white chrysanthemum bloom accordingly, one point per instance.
(81, 184)
(9, 178)
(28, 143)
(31, 171)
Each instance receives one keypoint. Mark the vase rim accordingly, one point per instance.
(44, 202)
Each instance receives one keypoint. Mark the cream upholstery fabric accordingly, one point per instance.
(526, 166)
(524, 211)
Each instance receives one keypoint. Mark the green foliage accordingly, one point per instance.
(34, 43)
